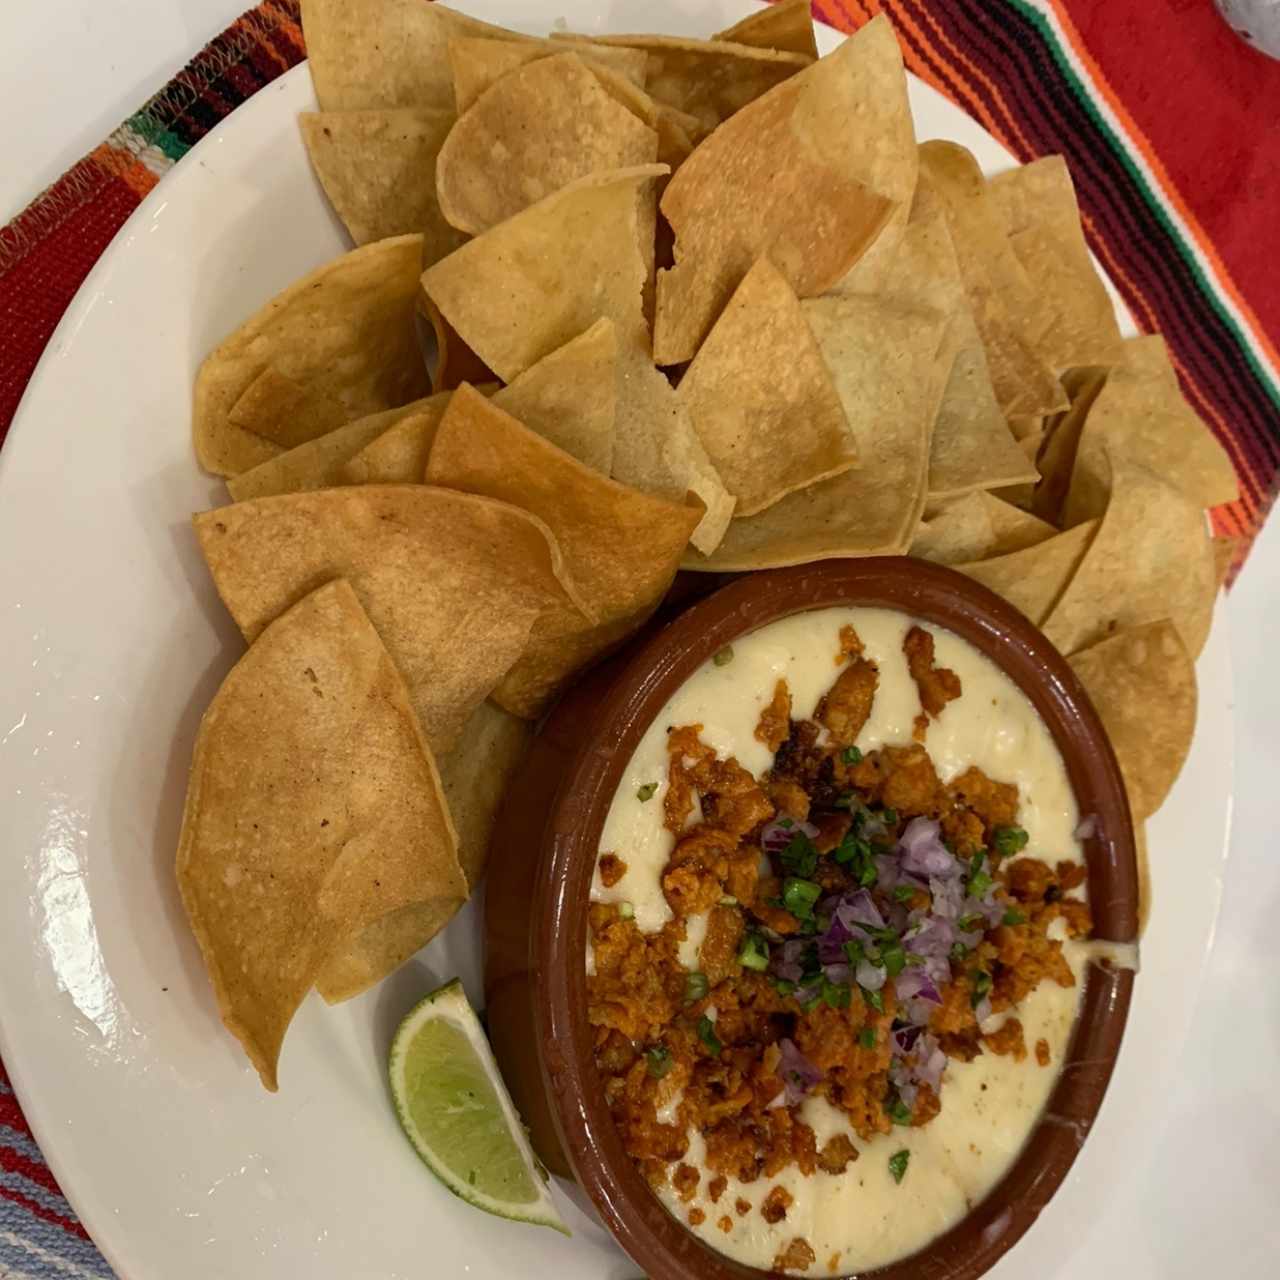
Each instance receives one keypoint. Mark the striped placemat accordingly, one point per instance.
(1167, 120)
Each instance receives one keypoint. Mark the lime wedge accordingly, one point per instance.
(456, 1111)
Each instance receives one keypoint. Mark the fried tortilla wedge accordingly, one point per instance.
(787, 26)
(313, 809)
(1143, 683)
(433, 569)
(1152, 559)
(809, 174)
(761, 398)
(881, 358)
(542, 126)
(621, 547)
(279, 410)
(378, 169)
(1056, 452)
(977, 526)
(1037, 202)
(479, 63)
(374, 54)
(344, 332)
(1140, 413)
(707, 79)
(560, 266)
(321, 463)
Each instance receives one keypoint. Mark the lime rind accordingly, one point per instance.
(453, 1050)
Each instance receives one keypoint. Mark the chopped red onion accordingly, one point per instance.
(948, 897)
(983, 1010)
(932, 937)
(803, 995)
(903, 1039)
(798, 1074)
(871, 976)
(907, 1092)
(859, 909)
(922, 851)
(931, 1062)
(779, 833)
(916, 983)
(837, 974)
(786, 961)
(1087, 827)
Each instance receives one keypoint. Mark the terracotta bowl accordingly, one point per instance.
(545, 849)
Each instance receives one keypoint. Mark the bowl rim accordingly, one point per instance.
(645, 679)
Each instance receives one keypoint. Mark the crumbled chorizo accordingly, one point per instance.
(612, 869)
(774, 727)
(936, 685)
(846, 706)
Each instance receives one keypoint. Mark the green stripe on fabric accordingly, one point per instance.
(156, 135)
(1266, 378)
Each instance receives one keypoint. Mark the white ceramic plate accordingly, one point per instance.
(113, 643)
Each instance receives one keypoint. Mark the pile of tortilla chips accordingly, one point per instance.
(699, 303)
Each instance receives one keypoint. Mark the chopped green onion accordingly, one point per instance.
(647, 792)
(981, 985)
(959, 953)
(707, 1034)
(626, 911)
(867, 876)
(979, 884)
(853, 952)
(753, 952)
(837, 997)
(977, 862)
(798, 896)
(695, 987)
(658, 1060)
(894, 958)
(889, 817)
(904, 893)
(867, 1037)
(786, 823)
(1012, 917)
(783, 987)
(1009, 840)
(966, 923)
(874, 998)
(898, 1165)
(900, 1113)
(851, 755)
(800, 857)
(728, 900)
(724, 656)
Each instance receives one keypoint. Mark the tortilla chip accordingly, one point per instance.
(432, 568)
(1152, 559)
(541, 127)
(1004, 303)
(809, 174)
(879, 356)
(378, 169)
(1143, 683)
(455, 362)
(476, 774)
(344, 332)
(279, 410)
(320, 463)
(371, 54)
(708, 79)
(1225, 551)
(761, 399)
(1078, 322)
(1034, 580)
(1056, 456)
(313, 808)
(478, 63)
(977, 526)
(399, 454)
(787, 26)
(558, 267)
(1140, 413)
(621, 547)
(1144, 875)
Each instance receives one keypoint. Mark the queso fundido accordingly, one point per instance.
(836, 939)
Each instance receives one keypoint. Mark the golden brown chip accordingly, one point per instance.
(476, 774)
(971, 447)
(478, 63)
(539, 128)
(1037, 202)
(398, 455)
(1140, 413)
(761, 399)
(279, 410)
(809, 174)
(1056, 455)
(787, 25)
(977, 526)
(1225, 551)
(313, 809)
(621, 547)
(371, 54)
(1144, 876)
(345, 333)
(455, 362)
(378, 169)
(320, 463)
(1143, 683)
(1033, 580)
(1152, 559)
(558, 267)
(435, 570)
(708, 79)
(879, 356)
(1004, 304)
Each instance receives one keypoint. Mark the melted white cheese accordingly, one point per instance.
(861, 1218)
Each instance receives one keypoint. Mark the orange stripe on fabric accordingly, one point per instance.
(1161, 176)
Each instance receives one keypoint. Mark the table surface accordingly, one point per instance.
(1204, 1192)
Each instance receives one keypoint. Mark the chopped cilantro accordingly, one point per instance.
(867, 1037)
(800, 858)
(1009, 840)
(900, 1113)
(647, 792)
(851, 755)
(898, 1165)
